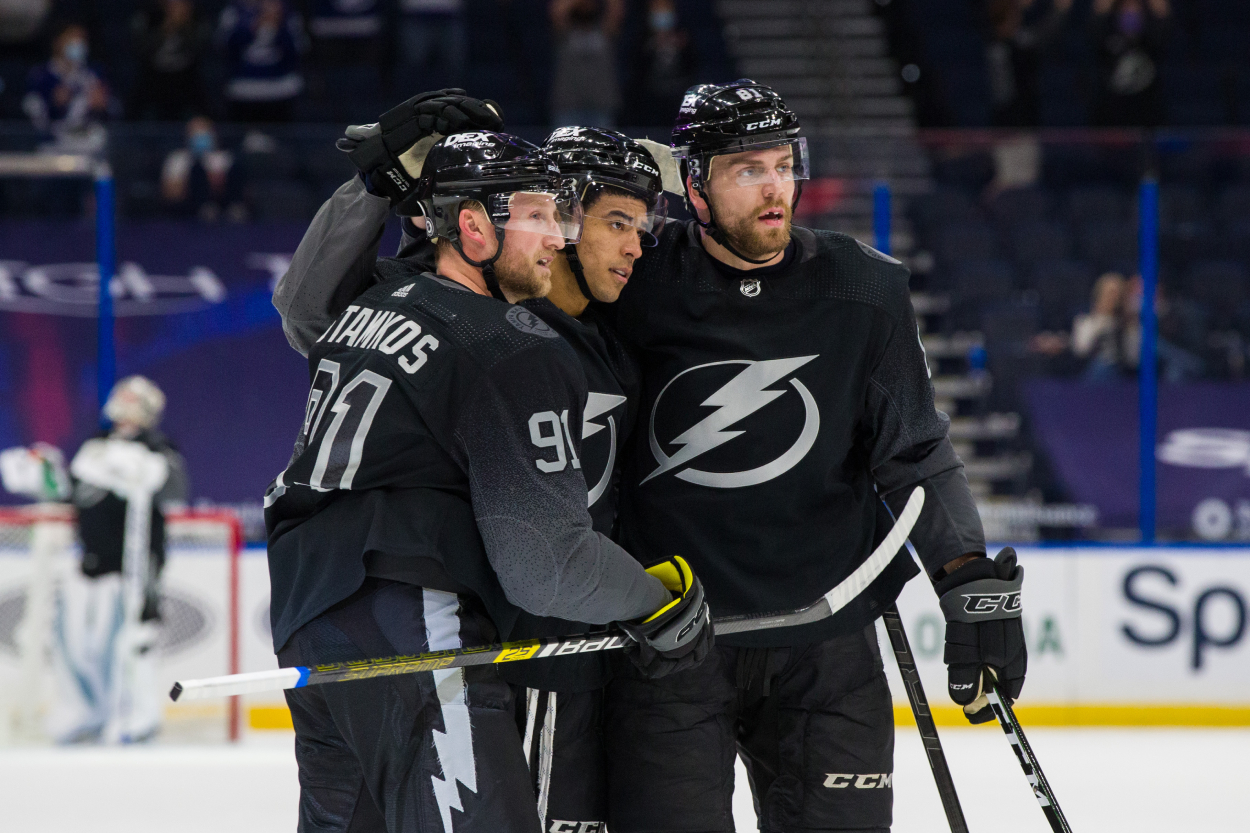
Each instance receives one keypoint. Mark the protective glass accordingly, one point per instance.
(760, 163)
(646, 225)
(555, 214)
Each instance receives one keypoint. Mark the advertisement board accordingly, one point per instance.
(1116, 636)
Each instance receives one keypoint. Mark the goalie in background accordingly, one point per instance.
(104, 636)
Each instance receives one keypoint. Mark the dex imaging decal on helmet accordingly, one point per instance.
(746, 387)
(477, 141)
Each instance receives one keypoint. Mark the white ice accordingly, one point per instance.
(1144, 781)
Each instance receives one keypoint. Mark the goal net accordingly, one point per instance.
(201, 615)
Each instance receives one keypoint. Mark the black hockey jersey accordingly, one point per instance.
(611, 405)
(440, 442)
(775, 407)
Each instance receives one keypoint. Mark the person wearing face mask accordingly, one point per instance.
(262, 41)
(66, 99)
(1129, 38)
(200, 179)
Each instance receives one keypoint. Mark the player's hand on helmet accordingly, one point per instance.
(984, 635)
(677, 636)
(390, 152)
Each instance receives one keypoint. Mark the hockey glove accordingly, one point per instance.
(384, 151)
(677, 636)
(981, 603)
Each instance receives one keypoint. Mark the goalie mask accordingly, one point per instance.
(517, 183)
(593, 161)
(717, 120)
(137, 401)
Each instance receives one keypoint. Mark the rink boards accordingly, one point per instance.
(1116, 636)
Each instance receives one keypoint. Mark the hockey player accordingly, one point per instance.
(789, 510)
(619, 185)
(447, 504)
(785, 394)
(121, 484)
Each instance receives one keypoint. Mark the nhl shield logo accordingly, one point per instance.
(749, 287)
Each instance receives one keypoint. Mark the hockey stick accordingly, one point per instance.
(924, 719)
(1001, 704)
(300, 676)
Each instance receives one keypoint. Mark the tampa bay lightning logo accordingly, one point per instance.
(741, 396)
(599, 405)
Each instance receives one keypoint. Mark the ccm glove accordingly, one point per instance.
(677, 636)
(981, 603)
(390, 152)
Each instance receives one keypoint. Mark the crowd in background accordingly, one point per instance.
(321, 60)
(1127, 37)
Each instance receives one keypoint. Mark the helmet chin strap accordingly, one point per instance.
(575, 266)
(487, 266)
(716, 233)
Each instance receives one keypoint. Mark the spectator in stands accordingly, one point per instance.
(1129, 37)
(66, 99)
(201, 180)
(433, 45)
(1108, 337)
(1014, 56)
(664, 67)
(1100, 336)
(1180, 334)
(263, 40)
(170, 42)
(585, 90)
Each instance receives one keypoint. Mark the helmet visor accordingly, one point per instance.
(630, 215)
(549, 213)
(750, 164)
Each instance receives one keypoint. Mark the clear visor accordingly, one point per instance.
(753, 165)
(630, 216)
(547, 213)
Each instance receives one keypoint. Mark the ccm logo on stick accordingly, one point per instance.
(558, 826)
(841, 780)
(991, 602)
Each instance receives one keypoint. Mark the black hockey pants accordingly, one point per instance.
(814, 725)
(433, 752)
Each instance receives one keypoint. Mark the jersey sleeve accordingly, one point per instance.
(519, 434)
(909, 447)
(332, 265)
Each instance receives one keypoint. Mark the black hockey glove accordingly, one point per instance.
(981, 603)
(378, 150)
(677, 636)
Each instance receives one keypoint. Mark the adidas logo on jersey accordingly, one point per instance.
(403, 291)
(841, 780)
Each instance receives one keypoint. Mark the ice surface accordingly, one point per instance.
(1144, 781)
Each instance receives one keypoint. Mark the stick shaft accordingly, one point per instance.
(1001, 705)
(924, 720)
(300, 676)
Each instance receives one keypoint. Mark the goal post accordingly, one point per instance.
(201, 611)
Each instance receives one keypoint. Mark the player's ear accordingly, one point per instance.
(700, 204)
(474, 230)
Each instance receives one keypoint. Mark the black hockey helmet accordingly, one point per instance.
(497, 170)
(594, 159)
(717, 119)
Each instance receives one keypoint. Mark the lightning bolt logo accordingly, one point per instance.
(737, 399)
(453, 745)
(598, 404)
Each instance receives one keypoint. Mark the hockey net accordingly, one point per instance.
(200, 615)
